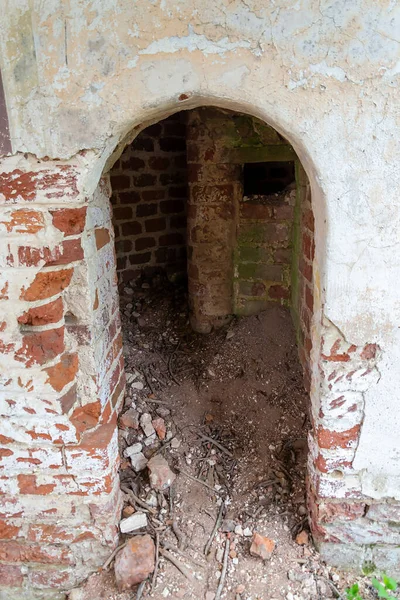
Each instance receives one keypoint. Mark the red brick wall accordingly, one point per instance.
(264, 252)
(61, 380)
(305, 291)
(149, 184)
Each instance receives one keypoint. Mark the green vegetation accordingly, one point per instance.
(383, 588)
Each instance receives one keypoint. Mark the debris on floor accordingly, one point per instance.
(213, 440)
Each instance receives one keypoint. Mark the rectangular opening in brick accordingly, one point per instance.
(267, 177)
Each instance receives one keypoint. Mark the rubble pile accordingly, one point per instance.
(213, 446)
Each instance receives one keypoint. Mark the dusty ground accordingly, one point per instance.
(241, 387)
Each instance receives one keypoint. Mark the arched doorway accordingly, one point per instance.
(212, 214)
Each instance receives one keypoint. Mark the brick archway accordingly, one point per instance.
(64, 382)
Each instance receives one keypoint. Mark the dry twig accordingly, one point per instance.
(138, 501)
(113, 554)
(223, 573)
(206, 438)
(199, 481)
(139, 592)
(177, 564)
(169, 546)
(155, 572)
(215, 528)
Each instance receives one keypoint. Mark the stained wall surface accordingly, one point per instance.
(81, 80)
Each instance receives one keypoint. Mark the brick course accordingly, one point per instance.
(149, 197)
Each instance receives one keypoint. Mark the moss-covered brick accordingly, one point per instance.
(254, 254)
(260, 271)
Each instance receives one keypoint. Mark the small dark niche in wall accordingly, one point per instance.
(267, 177)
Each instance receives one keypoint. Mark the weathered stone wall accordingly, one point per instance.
(264, 250)
(240, 247)
(78, 81)
(59, 494)
(149, 183)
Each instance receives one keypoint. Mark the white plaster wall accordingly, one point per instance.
(80, 75)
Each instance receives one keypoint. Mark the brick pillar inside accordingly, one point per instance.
(214, 192)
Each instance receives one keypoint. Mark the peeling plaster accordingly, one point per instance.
(81, 76)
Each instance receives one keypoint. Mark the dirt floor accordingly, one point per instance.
(236, 420)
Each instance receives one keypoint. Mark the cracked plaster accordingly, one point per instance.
(324, 74)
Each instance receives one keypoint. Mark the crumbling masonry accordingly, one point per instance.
(323, 83)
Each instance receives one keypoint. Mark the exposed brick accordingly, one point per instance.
(122, 213)
(132, 163)
(282, 255)
(120, 182)
(308, 219)
(51, 579)
(87, 416)
(171, 239)
(123, 246)
(144, 180)
(68, 400)
(159, 163)
(39, 347)
(278, 292)
(306, 270)
(146, 210)
(43, 315)
(337, 439)
(27, 485)
(102, 236)
(121, 263)
(173, 178)
(63, 372)
(151, 195)
(71, 250)
(143, 144)
(49, 533)
(8, 531)
(256, 212)
(47, 284)
(71, 221)
(369, 351)
(329, 512)
(24, 221)
(21, 185)
(335, 355)
(154, 130)
(308, 246)
(140, 259)
(131, 228)
(20, 552)
(309, 298)
(144, 243)
(172, 206)
(10, 575)
(283, 213)
(130, 197)
(174, 127)
(153, 225)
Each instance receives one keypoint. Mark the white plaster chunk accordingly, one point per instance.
(138, 461)
(133, 523)
(134, 449)
(146, 424)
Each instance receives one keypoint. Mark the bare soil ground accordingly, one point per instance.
(236, 417)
